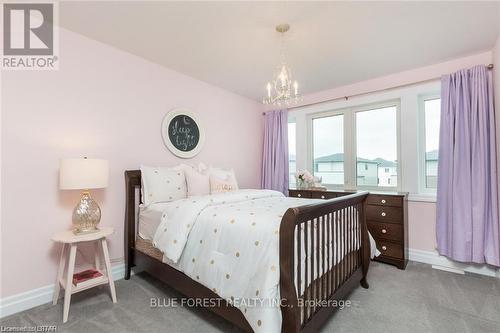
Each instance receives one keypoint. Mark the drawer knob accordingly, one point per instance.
(384, 231)
(383, 214)
(299, 195)
(383, 201)
(322, 197)
(384, 247)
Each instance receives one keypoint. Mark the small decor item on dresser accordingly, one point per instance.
(317, 182)
(84, 174)
(182, 133)
(304, 179)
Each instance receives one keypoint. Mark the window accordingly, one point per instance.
(357, 147)
(370, 134)
(376, 147)
(328, 149)
(431, 114)
(292, 152)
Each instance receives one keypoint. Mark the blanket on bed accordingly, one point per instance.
(229, 242)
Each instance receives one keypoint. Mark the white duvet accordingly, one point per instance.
(229, 243)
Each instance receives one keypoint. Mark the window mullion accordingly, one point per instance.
(350, 151)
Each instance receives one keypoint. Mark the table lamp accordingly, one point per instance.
(84, 174)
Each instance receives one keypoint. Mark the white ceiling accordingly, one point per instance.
(234, 45)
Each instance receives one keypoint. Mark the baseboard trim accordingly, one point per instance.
(448, 269)
(440, 262)
(35, 297)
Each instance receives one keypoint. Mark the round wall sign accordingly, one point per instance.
(182, 133)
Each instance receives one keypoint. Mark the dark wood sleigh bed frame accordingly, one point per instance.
(335, 221)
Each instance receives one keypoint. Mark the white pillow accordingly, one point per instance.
(161, 184)
(197, 183)
(227, 176)
(183, 166)
(200, 167)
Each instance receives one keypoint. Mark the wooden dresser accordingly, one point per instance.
(387, 218)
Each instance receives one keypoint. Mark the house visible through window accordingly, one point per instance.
(376, 147)
(370, 152)
(328, 149)
(432, 114)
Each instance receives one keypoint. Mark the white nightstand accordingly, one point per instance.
(69, 242)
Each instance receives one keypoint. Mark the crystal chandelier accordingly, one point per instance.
(282, 90)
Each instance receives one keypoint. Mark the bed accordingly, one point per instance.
(272, 263)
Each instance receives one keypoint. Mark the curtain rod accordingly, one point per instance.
(489, 66)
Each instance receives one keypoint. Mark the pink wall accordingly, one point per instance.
(422, 225)
(397, 79)
(102, 103)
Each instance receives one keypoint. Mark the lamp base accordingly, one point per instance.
(84, 232)
(86, 215)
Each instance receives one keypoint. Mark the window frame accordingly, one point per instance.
(350, 143)
(422, 184)
(374, 106)
(310, 140)
(292, 120)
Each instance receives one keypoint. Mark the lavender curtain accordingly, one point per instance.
(467, 200)
(275, 155)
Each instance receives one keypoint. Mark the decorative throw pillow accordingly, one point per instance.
(203, 168)
(197, 183)
(218, 185)
(227, 176)
(183, 167)
(161, 184)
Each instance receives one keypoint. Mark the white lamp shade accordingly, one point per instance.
(83, 173)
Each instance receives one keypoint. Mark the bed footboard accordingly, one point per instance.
(324, 254)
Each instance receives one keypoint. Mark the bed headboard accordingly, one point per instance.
(132, 182)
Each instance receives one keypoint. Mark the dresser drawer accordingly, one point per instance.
(390, 249)
(388, 231)
(384, 200)
(384, 214)
(323, 195)
(300, 194)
